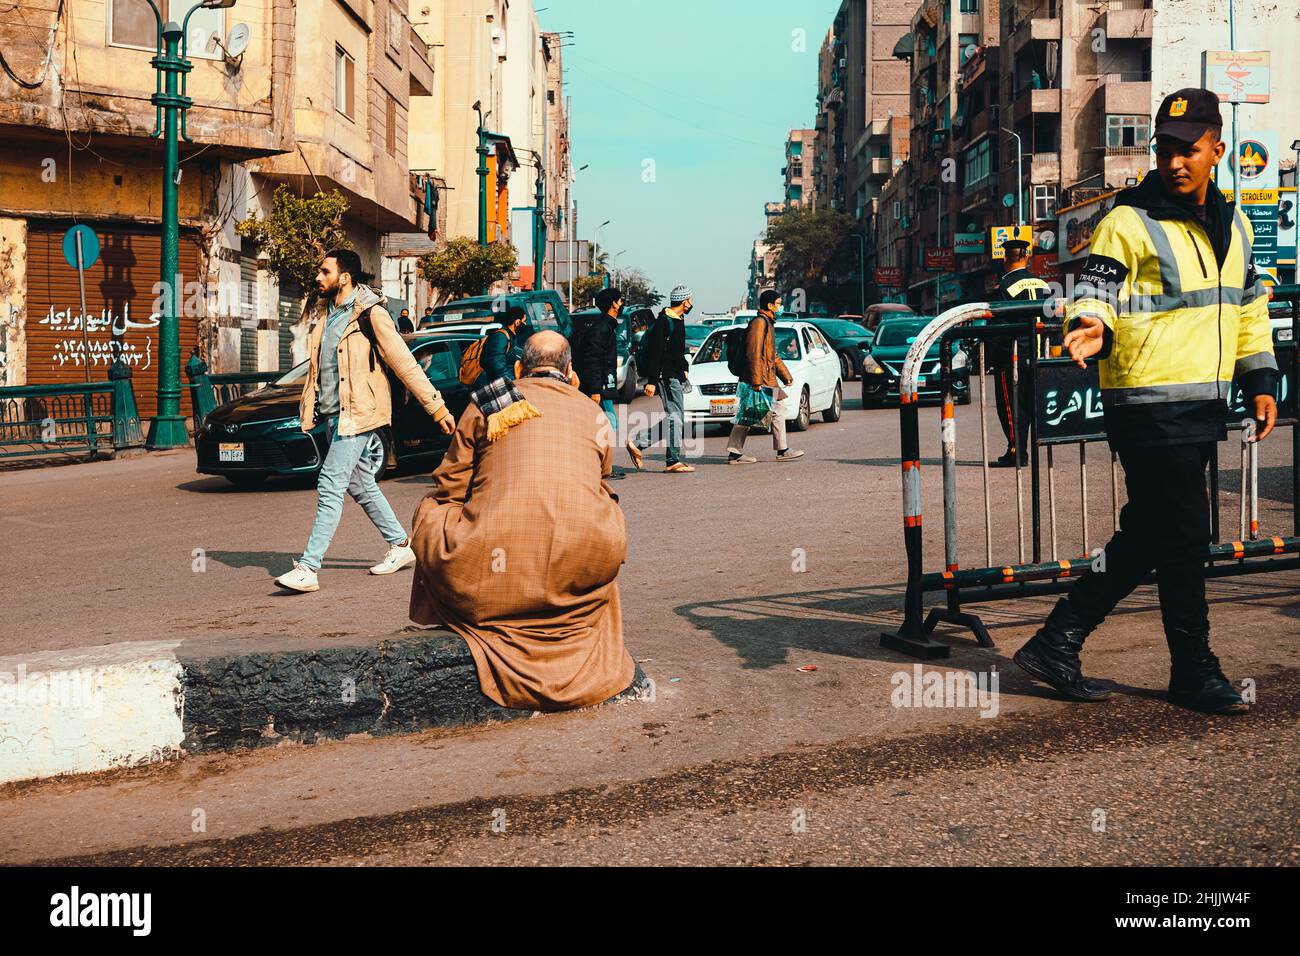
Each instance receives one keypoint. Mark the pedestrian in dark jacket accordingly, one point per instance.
(665, 372)
(498, 358)
(596, 357)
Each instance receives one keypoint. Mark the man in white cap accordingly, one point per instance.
(665, 366)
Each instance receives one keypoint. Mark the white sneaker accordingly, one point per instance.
(399, 556)
(301, 578)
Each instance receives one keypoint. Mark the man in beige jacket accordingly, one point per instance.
(351, 343)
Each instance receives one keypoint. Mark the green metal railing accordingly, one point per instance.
(209, 391)
(39, 421)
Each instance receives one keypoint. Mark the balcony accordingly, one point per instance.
(1029, 100)
(878, 129)
(878, 170)
(1126, 93)
(1128, 20)
(1043, 168)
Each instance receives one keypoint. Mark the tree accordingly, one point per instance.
(811, 246)
(465, 268)
(585, 289)
(298, 232)
(637, 289)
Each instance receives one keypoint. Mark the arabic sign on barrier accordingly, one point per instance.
(1285, 394)
(1067, 403)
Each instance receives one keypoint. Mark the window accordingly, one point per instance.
(979, 163)
(345, 76)
(390, 125)
(808, 345)
(970, 6)
(1127, 131)
(131, 23)
(965, 40)
(1044, 203)
(898, 209)
(441, 362)
(394, 26)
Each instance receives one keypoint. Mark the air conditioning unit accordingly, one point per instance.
(843, 63)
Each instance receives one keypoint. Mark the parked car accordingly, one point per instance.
(259, 435)
(878, 311)
(695, 336)
(1279, 317)
(846, 338)
(812, 362)
(883, 364)
(546, 310)
(713, 321)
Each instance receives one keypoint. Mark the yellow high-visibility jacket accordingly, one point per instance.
(1184, 315)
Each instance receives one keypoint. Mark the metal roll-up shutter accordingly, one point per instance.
(289, 313)
(119, 317)
(248, 314)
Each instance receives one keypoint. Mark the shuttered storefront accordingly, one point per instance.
(290, 314)
(119, 302)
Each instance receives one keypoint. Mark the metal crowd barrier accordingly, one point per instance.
(42, 421)
(1030, 573)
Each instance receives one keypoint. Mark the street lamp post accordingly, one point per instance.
(483, 152)
(167, 427)
(1019, 177)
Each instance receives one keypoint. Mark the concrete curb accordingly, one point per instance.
(91, 709)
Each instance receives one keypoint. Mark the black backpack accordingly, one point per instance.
(643, 347)
(737, 341)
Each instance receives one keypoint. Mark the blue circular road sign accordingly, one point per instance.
(89, 246)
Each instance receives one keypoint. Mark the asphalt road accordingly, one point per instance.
(736, 577)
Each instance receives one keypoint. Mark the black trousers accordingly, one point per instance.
(1165, 527)
(1004, 388)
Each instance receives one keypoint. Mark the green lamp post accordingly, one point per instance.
(167, 427)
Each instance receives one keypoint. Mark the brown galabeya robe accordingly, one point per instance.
(519, 546)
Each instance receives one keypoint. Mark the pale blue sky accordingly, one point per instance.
(708, 90)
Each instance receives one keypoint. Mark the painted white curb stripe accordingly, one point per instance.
(88, 709)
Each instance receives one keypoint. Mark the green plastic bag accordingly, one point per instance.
(753, 406)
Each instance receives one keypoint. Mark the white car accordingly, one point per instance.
(817, 387)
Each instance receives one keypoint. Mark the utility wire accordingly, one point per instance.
(49, 56)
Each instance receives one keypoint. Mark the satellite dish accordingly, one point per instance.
(1009, 200)
(237, 42)
(969, 51)
(1046, 239)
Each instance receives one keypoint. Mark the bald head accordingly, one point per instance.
(546, 349)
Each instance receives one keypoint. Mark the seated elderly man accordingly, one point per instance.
(519, 545)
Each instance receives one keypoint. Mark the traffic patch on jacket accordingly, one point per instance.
(1103, 271)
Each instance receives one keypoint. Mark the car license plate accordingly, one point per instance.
(230, 451)
(722, 406)
(920, 383)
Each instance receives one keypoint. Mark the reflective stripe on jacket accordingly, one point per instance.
(1180, 325)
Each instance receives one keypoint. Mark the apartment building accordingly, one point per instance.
(800, 184)
(311, 94)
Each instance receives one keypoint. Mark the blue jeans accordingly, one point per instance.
(607, 406)
(350, 465)
(670, 393)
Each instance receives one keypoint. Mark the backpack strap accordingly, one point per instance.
(368, 330)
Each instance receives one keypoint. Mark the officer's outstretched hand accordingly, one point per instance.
(1087, 340)
(1265, 416)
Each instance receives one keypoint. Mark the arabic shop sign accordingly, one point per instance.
(135, 349)
(969, 244)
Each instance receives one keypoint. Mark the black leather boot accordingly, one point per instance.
(1052, 655)
(1195, 679)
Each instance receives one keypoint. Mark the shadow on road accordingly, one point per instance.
(277, 562)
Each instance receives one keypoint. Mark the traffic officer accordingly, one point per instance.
(1019, 282)
(1170, 303)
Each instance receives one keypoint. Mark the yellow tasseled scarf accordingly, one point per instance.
(516, 413)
